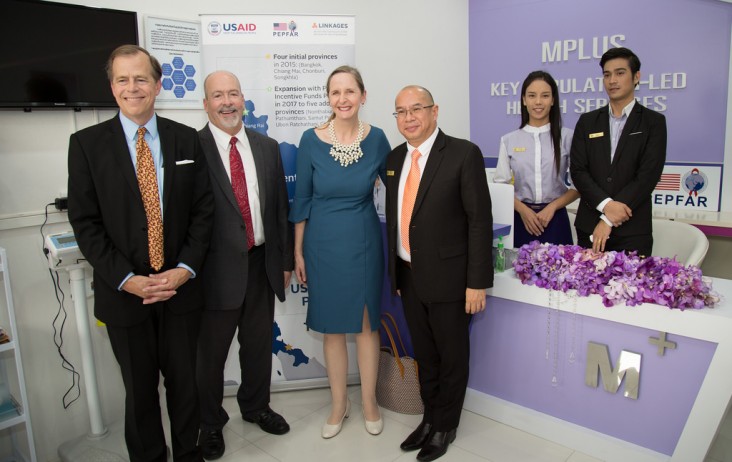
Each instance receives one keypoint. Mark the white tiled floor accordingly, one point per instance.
(478, 438)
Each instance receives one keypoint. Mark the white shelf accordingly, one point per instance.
(7, 346)
(19, 419)
(14, 422)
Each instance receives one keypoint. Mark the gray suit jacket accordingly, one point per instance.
(227, 264)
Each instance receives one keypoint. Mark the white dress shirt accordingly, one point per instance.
(152, 138)
(424, 150)
(250, 171)
(526, 156)
(616, 129)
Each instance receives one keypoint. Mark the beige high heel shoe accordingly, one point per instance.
(329, 431)
(374, 427)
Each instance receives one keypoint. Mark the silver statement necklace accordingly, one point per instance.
(345, 154)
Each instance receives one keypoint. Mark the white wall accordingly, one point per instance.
(398, 43)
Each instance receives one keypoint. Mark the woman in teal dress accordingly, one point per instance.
(338, 249)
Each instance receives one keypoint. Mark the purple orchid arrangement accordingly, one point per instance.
(616, 276)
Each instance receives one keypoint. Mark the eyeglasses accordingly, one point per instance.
(415, 111)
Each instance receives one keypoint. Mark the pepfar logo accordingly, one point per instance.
(688, 187)
(284, 29)
(694, 182)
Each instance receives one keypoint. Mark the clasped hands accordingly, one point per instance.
(618, 213)
(536, 222)
(157, 287)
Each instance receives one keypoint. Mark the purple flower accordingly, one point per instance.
(616, 276)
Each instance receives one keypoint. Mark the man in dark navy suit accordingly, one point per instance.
(141, 207)
(617, 157)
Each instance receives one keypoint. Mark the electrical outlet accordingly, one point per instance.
(89, 287)
(61, 203)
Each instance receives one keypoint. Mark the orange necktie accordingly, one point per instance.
(410, 194)
(148, 180)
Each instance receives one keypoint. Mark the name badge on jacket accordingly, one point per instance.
(597, 135)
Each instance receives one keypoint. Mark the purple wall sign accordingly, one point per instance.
(683, 45)
(508, 345)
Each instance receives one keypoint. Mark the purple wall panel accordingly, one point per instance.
(508, 360)
(675, 37)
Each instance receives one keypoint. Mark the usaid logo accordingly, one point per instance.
(240, 28)
(214, 28)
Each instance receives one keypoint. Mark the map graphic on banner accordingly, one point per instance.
(282, 62)
(295, 364)
(688, 86)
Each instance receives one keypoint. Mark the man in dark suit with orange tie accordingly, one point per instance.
(617, 157)
(141, 207)
(249, 262)
(440, 232)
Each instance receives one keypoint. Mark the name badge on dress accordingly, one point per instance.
(390, 173)
(519, 149)
(597, 135)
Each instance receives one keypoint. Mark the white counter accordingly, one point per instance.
(711, 328)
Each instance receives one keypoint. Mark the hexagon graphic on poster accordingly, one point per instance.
(178, 77)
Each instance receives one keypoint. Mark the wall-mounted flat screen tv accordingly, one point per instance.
(53, 54)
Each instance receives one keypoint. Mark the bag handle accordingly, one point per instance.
(394, 348)
(396, 330)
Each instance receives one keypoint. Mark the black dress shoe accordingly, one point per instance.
(436, 446)
(269, 421)
(417, 438)
(212, 444)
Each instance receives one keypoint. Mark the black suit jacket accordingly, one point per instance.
(227, 264)
(630, 178)
(451, 230)
(109, 221)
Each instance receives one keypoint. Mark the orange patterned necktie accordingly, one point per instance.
(410, 194)
(148, 180)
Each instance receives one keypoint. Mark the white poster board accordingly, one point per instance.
(177, 45)
(282, 62)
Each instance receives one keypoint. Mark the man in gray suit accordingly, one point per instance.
(250, 260)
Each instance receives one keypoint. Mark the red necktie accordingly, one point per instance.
(410, 194)
(147, 178)
(239, 185)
